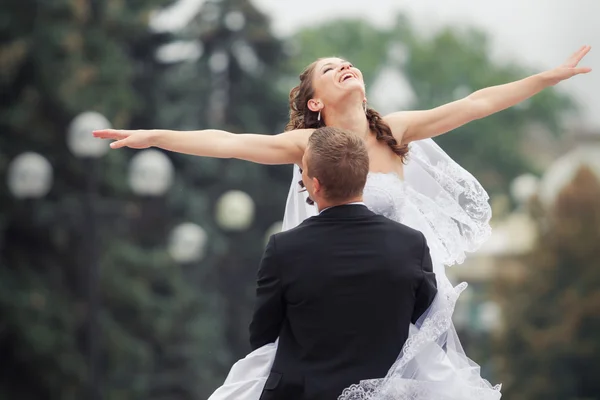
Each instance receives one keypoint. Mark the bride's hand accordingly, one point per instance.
(139, 139)
(570, 67)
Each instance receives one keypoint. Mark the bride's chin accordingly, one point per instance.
(352, 84)
(354, 93)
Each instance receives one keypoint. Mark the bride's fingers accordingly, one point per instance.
(110, 134)
(118, 144)
(584, 52)
(581, 70)
(574, 55)
(578, 56)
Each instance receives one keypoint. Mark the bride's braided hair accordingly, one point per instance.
(301, 117)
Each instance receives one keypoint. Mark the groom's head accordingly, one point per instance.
(334, 167)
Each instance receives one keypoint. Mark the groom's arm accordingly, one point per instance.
(269, 309)
(428, 287)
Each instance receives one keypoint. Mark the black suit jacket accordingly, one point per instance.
(339, 291)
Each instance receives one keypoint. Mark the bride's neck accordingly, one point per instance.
(353, 119)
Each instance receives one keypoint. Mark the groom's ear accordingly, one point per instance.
(316, 185)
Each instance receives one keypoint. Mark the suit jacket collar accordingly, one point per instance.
(345, 211)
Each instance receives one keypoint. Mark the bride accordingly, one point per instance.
(411, 180)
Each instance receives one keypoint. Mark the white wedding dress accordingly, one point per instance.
(447, 204)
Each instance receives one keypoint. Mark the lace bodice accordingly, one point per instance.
(384, 194)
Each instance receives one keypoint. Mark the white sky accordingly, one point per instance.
(540, 33)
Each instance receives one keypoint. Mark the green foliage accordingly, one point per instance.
(551, 345)
(189, 95)
(453, 64)
(352, 39)
(159, 327)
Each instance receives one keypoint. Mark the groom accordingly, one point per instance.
(339, 290)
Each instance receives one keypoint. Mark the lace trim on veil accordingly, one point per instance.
(409, 377)
(452, 201)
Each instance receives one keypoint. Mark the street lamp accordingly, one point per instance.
(150, 173)
(29, 176)
(83, 145)
(235, 211)
(234, 21)
(187, 243)
(80, 140)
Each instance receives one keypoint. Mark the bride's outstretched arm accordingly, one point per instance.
(415, 125)
(285, 148)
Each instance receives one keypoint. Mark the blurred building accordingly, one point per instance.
(514, 232)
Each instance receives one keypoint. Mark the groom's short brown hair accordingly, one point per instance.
(339, 160)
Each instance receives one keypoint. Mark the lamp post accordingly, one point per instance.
(150, 177)
(219, 96)
(83, 145)
(30, 176)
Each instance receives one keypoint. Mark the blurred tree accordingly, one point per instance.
(60, 58)
(229, 81)
(355, 40)
(551, 347)
(440, 68)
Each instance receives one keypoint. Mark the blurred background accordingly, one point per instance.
(130, 274)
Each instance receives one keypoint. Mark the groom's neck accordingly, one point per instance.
(322, 205)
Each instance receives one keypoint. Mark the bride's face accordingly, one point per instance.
(333, 80)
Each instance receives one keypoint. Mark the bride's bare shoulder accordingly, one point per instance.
(299, 137)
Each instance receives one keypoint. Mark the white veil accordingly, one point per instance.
(451, 208)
